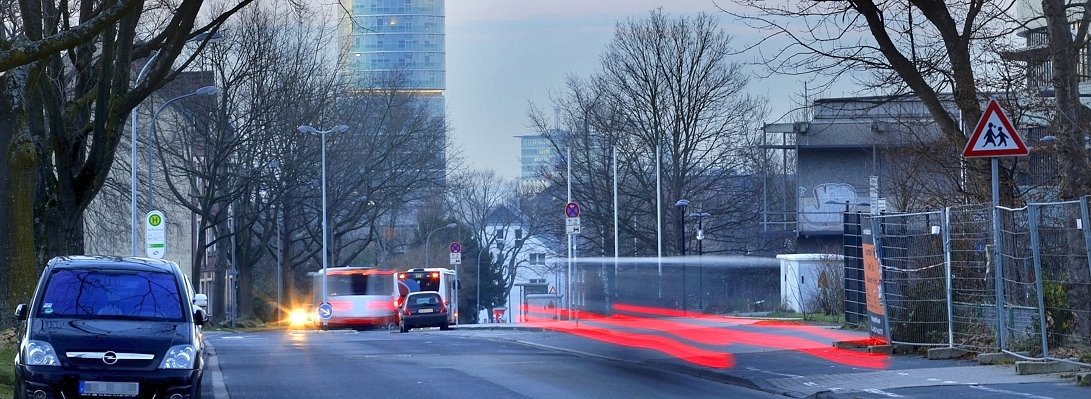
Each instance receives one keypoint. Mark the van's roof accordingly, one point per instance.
(112, 262)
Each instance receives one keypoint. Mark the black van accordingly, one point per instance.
(110, 327)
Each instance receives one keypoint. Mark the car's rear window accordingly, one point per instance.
(122, 294)
(423, 300)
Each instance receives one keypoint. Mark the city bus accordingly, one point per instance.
(437, 279)
(361, 297)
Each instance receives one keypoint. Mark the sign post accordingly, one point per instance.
(155, 234)
(995, 137)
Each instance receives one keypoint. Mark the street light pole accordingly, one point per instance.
(700, 252)
(681, 205)
(429, 238)
(477, 308)
(325, 250)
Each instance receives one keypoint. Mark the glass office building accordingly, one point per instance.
(395, 43)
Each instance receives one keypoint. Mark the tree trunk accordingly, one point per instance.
(246, 292)
(17, 188)
(24, 267)
(1069, 121)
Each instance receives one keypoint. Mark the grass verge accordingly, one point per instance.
(7, 368)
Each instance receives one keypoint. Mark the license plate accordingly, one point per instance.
(425, 311)
(106, 389)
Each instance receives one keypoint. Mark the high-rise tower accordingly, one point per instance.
(395, 43)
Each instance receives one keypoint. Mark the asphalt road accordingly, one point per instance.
(432, 364)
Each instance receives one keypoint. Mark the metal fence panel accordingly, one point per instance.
(914, 279)
(855, 294)
(973, 292)
(1064, 281)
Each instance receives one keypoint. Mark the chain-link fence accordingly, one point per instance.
(943, 276)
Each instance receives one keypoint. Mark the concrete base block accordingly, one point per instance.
(996, 358)
(849, 344)
(1083, 379)
(1044, 367)
(883, 349)
(946, 353)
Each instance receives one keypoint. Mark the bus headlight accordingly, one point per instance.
(298, 317)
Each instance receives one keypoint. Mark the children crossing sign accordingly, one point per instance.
(994, 136)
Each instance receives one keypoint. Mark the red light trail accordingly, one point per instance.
(704, 339)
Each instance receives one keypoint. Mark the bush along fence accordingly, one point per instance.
(945, 281)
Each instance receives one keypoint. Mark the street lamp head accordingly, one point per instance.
(340, 128)
(451, 225)
(207, 91)
(682, 203)
(307, 129)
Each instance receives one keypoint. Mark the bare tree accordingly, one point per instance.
(667, 86)
(919, 48)
(223, 166)
(67, 92)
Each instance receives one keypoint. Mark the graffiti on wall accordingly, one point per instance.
(820, 209)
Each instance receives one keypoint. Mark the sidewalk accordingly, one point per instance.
(781, 358)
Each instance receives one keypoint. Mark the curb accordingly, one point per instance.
(219, 389)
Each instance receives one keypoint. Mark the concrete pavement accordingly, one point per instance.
(778, 357)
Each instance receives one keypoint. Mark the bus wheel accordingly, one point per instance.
(445, 327)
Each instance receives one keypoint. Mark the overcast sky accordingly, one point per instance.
(503, 55)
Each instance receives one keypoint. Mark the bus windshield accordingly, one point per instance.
(420, 281)
(359, 284)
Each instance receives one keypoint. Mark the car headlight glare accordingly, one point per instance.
(179, 357)
(40, 353)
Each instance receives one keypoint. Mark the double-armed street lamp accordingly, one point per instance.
(210, 37)
(325, 252)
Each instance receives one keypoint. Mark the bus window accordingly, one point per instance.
(358, 284)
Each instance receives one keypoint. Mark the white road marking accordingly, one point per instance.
(1007, 392)
(882, 392)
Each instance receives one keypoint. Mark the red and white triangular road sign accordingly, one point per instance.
(994, 136)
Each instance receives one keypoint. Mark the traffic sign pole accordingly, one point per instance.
(990, 139)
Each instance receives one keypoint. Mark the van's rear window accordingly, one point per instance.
(120, 294)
